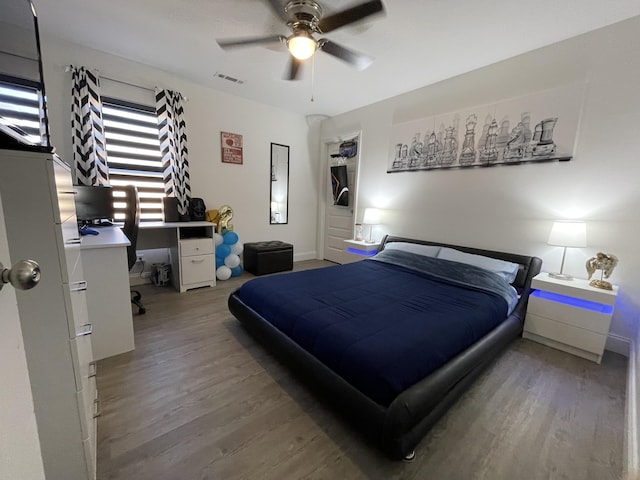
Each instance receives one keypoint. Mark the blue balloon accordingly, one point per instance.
(219, 262)
(222, 251)
(235, 271)
(229, 237)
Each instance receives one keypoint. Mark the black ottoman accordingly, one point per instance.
(261, 258)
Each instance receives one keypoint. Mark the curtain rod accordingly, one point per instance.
(154, 90)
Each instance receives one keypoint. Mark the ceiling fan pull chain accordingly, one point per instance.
(313, 74)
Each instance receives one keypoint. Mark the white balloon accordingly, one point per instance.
(223, 273)
(218, 238)
(232, 260)
(237, 248)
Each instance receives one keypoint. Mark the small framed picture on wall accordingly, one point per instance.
(231, 147)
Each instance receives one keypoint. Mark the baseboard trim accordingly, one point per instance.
(618, 344)
(298, 257)
(137, 279)
(632, 460)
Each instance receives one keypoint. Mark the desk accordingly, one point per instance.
(106, 270)
(191, 250)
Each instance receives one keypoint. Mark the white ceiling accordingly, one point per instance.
(416, 42)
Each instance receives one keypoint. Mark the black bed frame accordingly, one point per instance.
(398, 428)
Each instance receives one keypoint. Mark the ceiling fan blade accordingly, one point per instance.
(278, 9)
(245, 42)
(358, 60)
(349, 15)
(293, 69)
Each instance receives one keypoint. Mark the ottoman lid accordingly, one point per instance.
(268, 246)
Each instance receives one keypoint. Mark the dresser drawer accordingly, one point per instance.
(87, 404)
(196, 246)
(563, 333)
(197, 268)
(69, 242)
(594, 321)
(82, 356)
(75, 299)
(65, 193)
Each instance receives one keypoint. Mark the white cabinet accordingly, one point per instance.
(197, 263)
(361, 248)
(191, 250)
(38, 199)
(570, 315)
(104, 261)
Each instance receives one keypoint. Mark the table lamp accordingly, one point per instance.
(567, 233)
(371, 218)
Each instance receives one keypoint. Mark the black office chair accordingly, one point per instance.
(130, 229)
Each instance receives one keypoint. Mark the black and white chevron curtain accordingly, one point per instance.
(173, 146)
(89, 150)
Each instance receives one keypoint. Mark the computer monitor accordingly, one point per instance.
(94, 204)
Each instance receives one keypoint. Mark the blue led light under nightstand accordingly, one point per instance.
(574, 302)
(362, 253)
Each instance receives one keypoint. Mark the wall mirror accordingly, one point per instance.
(279, 206)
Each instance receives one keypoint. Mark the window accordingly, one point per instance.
(20, 106)
(133, 155)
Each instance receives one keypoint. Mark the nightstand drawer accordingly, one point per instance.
(567, 334)
(575, 316)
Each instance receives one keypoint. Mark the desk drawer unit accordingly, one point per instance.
(197, 263)
(570, 316)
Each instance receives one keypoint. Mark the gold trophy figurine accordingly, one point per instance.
(605, 262)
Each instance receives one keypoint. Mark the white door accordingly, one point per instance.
(20, 455)
(339, 221)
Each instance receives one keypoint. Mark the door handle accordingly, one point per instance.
(24, 275)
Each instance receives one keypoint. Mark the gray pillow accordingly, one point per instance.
(507, 270)
(426, 250)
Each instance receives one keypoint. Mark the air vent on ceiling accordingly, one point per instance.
(231, 79)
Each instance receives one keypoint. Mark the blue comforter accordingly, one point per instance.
(384, 323)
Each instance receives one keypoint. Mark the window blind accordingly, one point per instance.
(20, 106)
(133, 156)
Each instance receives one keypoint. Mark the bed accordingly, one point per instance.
(392, 341)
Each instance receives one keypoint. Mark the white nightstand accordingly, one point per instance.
(570, 315)
(360, 247)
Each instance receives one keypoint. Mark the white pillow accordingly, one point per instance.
(426, 250)
(507, 270)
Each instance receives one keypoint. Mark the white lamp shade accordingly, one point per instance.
(371, 216)
(568, 233)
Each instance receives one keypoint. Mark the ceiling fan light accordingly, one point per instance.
(302, 46)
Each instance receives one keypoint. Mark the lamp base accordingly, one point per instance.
(561, 276)
(603, 284)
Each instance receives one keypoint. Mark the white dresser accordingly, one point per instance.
(38, 199)
(570, 315)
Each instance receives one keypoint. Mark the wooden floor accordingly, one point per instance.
(200, 399)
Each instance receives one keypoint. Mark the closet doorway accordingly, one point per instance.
(341, 165)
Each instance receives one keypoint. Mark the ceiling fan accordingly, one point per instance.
(305, 18)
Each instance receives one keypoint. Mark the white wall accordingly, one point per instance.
(208, 112)
(512, 208)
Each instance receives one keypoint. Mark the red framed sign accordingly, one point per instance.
(231, 147)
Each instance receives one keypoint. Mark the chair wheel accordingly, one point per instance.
(142, 311)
